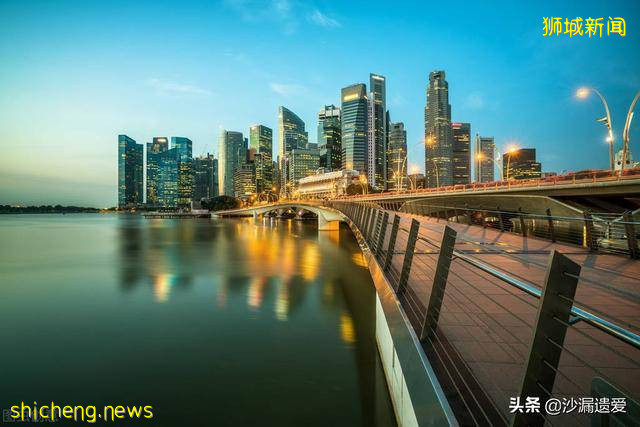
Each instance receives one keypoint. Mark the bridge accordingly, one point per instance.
(478, 311)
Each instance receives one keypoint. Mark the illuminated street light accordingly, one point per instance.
(511, 148)
(583, 93)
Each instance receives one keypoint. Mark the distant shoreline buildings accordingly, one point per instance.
(358, 137)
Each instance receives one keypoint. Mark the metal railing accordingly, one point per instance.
(578, 178)
(495, 338)
(600, 232)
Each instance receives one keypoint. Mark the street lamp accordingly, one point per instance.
(583, 93)
(625, 132)
(510, 150)
(363, 184)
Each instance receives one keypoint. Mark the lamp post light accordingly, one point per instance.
(363, 184)
(625, 132)
(583, 93)
(480, 157)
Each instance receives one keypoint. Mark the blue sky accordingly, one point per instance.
(75, 74)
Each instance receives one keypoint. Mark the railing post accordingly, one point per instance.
(588, 224)
(455, 212)
(408, 256)
(500, 218)
(484, 219)
(550, 329)
(383, 232)
(392, 242)
(552, 232)
(439, 282)
(373, 228)
(367, 217)
(630, 231)
(523, 226)
(469, 217)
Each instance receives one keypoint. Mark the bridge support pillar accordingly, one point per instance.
(325, 225)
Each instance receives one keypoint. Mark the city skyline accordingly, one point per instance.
(63, 109)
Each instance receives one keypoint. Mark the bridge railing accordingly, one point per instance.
(502, 346)
(584, 177)
(600, 232)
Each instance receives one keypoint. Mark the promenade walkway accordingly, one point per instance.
(484, 332)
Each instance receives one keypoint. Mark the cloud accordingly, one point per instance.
(170, 87)
(323, 20)
(474, 101)
(278, 11)
(285, 89)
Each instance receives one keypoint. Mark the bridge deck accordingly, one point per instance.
(489, 323)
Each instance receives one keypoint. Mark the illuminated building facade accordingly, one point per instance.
(377, 144)
(303, 162)
(244, 180)
(437, 132)
(461, 161)
(355, 127)
(484, 157)
(130, 172)
(521, 164)
(206, 177)
(330, 138)
(232, 152)
(291, 135)
(159, 145)
(184, 152)
(261, 141)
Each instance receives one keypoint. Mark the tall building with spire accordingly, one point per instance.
(355, 126)
(437, 132)
(130, 172)
(330, 138)
(377, 148)
(291, 135)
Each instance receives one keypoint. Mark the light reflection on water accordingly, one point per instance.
(193, 317)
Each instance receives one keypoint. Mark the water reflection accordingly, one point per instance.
(273, 266)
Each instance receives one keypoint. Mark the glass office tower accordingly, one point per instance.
(437, 132)
(232, 152)
(291, 135)
(354, 127)
(184, 151)
(461, 149)
(261, 141)
(159, 145)
(330, 138)
(130, 172)
(397, 157)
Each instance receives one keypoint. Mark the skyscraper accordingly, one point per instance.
(355, 127)
(184, 152)
(378, 131)
(244, 180)
(232, 151)
(261, 141)
(167, 178)
(205, 181)
(291, 135)
(397, 157)
(437, 132)
(303, 162)
(484, 158)
(461, 161)
(159, 145)
(521, 164)
(330, 138)
(130, 165)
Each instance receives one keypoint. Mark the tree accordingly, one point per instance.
(356, 189)
(221, 203)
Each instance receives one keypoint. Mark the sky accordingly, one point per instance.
(75, 74)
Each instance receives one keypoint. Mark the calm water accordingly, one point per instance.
(211, 322)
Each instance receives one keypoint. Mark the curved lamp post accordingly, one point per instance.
(583, 93)
(625, 132)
